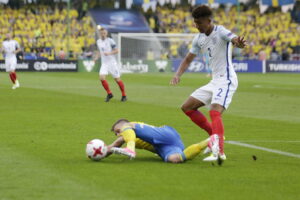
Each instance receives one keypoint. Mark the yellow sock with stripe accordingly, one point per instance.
(193, 150)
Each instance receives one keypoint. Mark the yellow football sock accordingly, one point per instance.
(192, 151)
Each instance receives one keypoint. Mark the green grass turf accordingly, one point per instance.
(46, 124)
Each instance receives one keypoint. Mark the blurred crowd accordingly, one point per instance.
(273, 35)
(42, 31)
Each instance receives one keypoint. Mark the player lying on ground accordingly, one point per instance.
(164, 141)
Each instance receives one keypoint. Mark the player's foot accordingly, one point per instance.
(213, 145)
(108, 97)
(16, 85)
(124, 98)
(208, 150)
(211, 158)
(222, 156)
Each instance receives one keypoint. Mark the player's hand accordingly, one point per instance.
(175, 80)
(240, 42)
(106, 53)
(123, 151)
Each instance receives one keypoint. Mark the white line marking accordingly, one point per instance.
(271, 141)
(263, 148)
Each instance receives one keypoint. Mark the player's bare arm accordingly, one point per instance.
(239, 42)
(17, 51)
(183, 66)
(117, 143)
(96, 56)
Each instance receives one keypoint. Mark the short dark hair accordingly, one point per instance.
(117, 122)
(202, 11)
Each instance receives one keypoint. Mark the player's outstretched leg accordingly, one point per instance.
(199, 119)
(190, 108)
(194, 150)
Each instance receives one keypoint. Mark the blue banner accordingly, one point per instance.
(277, 2)
(216, 1)
(201, 2)
(138, 2)
(283, 66)
(121, 21)
(195, 66)
(226, 1)
(247, 66)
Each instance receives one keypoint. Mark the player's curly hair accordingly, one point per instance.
(202, 11)
(117, 122)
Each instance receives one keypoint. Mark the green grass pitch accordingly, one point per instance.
(45, 125)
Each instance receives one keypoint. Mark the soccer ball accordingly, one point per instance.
(96, 149)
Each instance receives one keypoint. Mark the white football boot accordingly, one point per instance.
(213, 145)
(222, 156)
(16, 85)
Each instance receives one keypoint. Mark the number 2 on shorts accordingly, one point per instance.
(220, 91)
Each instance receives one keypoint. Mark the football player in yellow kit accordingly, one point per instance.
(164, 141)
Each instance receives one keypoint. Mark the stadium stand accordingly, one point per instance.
(42, 31)
(273, 35)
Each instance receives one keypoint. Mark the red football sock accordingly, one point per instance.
(122, 87)
(199, 119)
(217, 127)
(106, 86)
(13, 77)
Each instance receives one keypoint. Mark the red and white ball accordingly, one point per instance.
(96, 149)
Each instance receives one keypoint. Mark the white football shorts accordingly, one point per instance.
(110, 68)
(217, 91)
(10, 64)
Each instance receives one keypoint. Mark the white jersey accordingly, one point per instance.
(106, 45)
(9, 46)
(218, 48)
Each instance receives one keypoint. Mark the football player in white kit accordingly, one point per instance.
(216, 41)
(109, 65)
(10, 48)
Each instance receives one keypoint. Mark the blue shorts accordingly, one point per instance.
(168, 143)
(165, 139)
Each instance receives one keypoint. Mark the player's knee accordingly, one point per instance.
(217, 107)
(102, 77)
(175, 158)
(184, 108)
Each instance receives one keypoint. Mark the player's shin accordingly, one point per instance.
(106, 86)
(200, 119)
(122, 87)
(217, 127)
(12, 77)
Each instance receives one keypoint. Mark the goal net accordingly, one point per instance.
(151, 52)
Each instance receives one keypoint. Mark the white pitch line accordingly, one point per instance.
(263, 148)
(271, 141)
